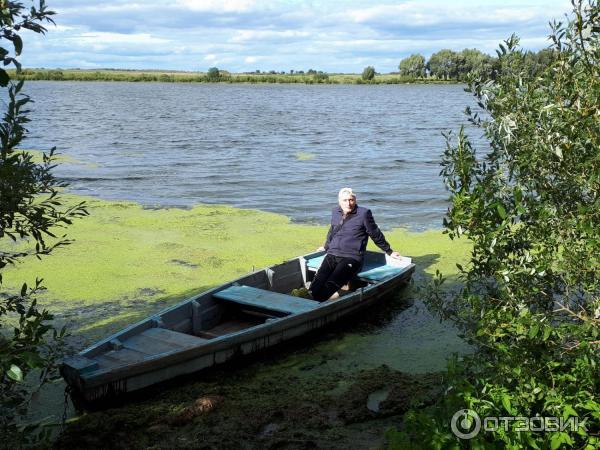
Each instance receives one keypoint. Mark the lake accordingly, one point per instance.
(281, 148)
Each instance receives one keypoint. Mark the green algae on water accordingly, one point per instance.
(59, 158)
(304, 156)
(127, 260)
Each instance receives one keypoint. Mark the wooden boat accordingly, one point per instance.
(236, 318)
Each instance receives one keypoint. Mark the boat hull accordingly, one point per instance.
(91, 383)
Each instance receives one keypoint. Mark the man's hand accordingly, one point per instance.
(396, 255)
(321, 249)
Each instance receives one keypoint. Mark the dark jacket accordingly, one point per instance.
(348, 237)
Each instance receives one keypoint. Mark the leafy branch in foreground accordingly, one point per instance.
(530, 297)
(30, 212)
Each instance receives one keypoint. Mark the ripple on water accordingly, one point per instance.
(199, 138)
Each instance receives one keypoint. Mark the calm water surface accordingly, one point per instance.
(280, 148)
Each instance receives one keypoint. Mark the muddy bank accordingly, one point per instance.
(254, 409)
(343, 388)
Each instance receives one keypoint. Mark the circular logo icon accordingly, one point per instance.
(465, 424)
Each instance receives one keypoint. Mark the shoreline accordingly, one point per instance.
(203, 77)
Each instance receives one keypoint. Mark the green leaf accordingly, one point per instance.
(547, 331)
(18, 43)
(506, 403)
(568, 411)
(32, 359)
(4, 78)
(533, 331)
(501, 211)
(518, 194)
(15, 373)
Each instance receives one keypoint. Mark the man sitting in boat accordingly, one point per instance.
(351, 226)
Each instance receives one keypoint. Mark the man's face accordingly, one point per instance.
(347, 203)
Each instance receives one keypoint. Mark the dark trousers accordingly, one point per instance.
(335, 272)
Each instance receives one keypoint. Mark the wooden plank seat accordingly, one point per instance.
(379, 272)
(371, 272)
(261, 298)
(148, 343)
(161, 340)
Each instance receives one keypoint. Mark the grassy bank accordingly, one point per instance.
(202, 77)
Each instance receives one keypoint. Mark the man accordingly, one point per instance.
(351, 226)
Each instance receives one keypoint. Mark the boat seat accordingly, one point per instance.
(261, 298)
(371, 272)
(314, 263)
(379, 273)
(161, 340)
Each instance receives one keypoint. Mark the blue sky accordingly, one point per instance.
(245, 35)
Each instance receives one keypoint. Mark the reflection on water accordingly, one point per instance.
(280, 148)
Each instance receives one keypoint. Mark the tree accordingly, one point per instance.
(536, 62)
(413, 66)
(473, 61)
(30, 212)
(530, 206)
(213, 74)
(320, 77)
(368, 73)
(443, 65)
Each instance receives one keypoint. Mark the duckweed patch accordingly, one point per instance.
(304, 156)
(59, 158)
(128, 257)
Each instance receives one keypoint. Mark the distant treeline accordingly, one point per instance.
(211, 77)
(445, 66)
(450, 65)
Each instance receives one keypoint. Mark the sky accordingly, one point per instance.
(282, 35)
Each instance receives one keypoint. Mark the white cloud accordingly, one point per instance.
(106, 39)
(243, 35)
(429, 13)
(218, 5)
(258, 35)
(377, 12)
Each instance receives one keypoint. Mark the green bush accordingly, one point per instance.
(530, 297)
(320, 77)
(213, 74)
(30, 214)
(368, 73)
